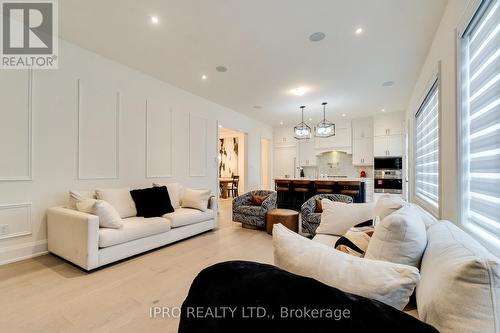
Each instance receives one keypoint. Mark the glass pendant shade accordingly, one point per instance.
(324, 129)
(302, 131)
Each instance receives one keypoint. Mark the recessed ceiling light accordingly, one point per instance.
(281, 123)
(388, 83)
(310, 119)
(343, 115)
(359, 31)
(221, 69)
(155, 19)
(220, 126)
(383, 110)
(300, 91)
(203, 77)
(317, 36)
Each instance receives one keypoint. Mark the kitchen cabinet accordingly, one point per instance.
(362, 151)
(307, 153)
(388, 145)
(285, 162)
(342, 140)
(283, 136)
(388, 124)
(362, 128)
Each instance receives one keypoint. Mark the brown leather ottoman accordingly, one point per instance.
(289, 218)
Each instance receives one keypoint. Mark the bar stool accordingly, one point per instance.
(302, 189)
(282, 187)
(324, 186)
(348, 188)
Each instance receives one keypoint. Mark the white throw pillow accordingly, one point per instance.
(197, 199)
(108, 216)
(386, 282)
(78, 195)
(338, 217)
(388, 204)
(399, 238)
(120, 199)
(174, 192)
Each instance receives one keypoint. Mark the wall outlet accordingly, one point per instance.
(4, 229)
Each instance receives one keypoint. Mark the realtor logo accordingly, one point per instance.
(28, 34)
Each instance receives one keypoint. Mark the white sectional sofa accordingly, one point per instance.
(459, 288)
(76, 236)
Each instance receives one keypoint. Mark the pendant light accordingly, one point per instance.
(302, 131)
(324, 129)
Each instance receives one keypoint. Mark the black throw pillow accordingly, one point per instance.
(152, 202)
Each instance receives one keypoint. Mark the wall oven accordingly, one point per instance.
(388, 181)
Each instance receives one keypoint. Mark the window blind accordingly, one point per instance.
(427, 150)
(480, 119)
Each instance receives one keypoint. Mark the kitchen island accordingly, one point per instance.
(293, 192)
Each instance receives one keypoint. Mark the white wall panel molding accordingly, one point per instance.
(198, 140)
(159, 140)
(15, 220)
(17, 103)
(22, 251)
(98, 132)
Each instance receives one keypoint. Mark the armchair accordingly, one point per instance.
(310, 219)
(248, 214)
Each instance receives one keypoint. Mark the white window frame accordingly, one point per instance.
(434, 80)
(490, 242)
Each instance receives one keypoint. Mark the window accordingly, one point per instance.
(480, 122)
(427, 151)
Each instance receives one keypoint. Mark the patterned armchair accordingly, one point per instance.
(246, 213)
(310, 219)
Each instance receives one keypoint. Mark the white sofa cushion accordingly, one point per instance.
(338, 217)
(460, 286)
(119, 198)
(386, 282)
(78, 195)
(185, 216)
(388, 204)
(133, 228)
(400, 238)
(197, 199)
(174, 192)
(108, 216)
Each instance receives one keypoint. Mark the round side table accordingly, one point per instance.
(289, 218)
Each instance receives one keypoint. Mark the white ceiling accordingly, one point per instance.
(265, 45)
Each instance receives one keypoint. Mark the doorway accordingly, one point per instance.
(232, 162)
(265, 164)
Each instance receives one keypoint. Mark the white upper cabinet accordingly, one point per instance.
(388, 134)
(388, 145)
(283, 136)
(362, 152)
(389, 124)
(342, 140)
(362, 141)
(307, 153)
(362, 128)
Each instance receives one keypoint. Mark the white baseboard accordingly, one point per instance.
(22, 251)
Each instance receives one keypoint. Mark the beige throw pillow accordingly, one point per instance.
(197, 199)
(338, 217)
(386, 282)
(388, 204)
(399, 238)
(108, 216)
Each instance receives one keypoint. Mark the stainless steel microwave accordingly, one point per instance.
(388, 163)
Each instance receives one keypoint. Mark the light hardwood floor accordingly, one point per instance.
(46, 294)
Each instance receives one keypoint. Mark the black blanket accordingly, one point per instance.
(239, 296)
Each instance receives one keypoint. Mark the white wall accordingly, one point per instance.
(89, 121)
(443, 51)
